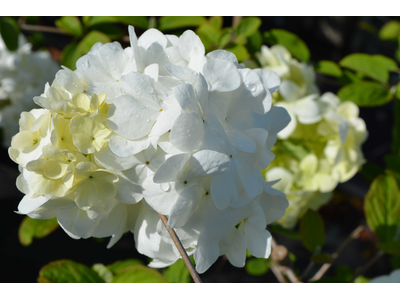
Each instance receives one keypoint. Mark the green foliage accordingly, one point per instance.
(396, 126)
(290, 41)
(361, 279)
(138, 274)
(395, 262)
(33, 228)
(254, 42)
(136, 21)
(111, 30)
(103, 272)
(323, 258)
(68, 271)
(371, 171)
(365, 93)
(176, 22)
(343, 274)
(209, 35)
(70, 55)
(382, 207)
(92, 38)
(177, 273)
(293, 149)
(257, 266)
(328, 67)
(312, 231)
(392, 162)
(71, 25)
(277, 229)
(9, 30)
(248, 26)
(91, 21)
(392, 247)
(240, 51)
(374, 66)
(118, 265)
(390, 31)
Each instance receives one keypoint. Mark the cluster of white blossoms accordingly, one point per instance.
(320, 147)
(22, 76)
(156, 127)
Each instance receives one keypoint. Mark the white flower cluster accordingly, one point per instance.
(393, 277)
(320, 147)
(156, 127)
(22, 76)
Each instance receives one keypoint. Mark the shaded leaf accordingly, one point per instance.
(248, 26)
(68, 271)
(9, 30)
(322, 258)
(328, 67)
(374, 66)
(209, 35)
(136, 21)
(226, 36)
(92, 38)
(111, 30)
(390, 31)
(175, 22)
(290, 41)
(257, 266)
(216, 22)
(365, 93)
(177, 273)
(392, 247)
(382, 207)
(70, 55)
(275, 228)
(34, 228)
(91, 21)
(395, 262)
(118, 265)
(396, 125)
(392, 162)
(312, 231)
(240, 51)
(371, 171)
(138, 274)
(71, 25)
(103, 272)
(254, 42)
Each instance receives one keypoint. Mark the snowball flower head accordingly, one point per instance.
(156, 127)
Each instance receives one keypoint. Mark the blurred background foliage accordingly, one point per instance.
(355, 57)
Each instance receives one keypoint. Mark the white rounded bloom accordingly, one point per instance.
(156, 127)
(393, 277)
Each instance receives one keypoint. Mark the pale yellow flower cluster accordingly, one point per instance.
(320, 147)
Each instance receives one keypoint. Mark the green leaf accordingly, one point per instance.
(9, 30)
(118, 265)
(390, 31)
(395, 262)
(92, 38)
(240, 51)
(248, 26)
(71, 25)
(138, 274)
(374, 66)
(70, 55)
(111, 30)
(371, 171)
(392, 162)
(397, 54)
(177, 273)
(103, 272)
(175, 22)
(85, 20)
(136, 21)
(275, 228)
(240, 40)
(361, 279)
(226, 36)
(68, 271)
(257, 266)
(290, 41)
(396, 125)
(248, 253)
(216, 22)
(91, 21)
(312, 231)
(292, 257)
(209, 35)
(392, 248)
(34, 228)
(323, 258)
(365, 93)
(382, 207)
(328, 67)
(254, 42)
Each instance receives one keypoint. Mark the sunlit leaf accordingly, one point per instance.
(71, 25)
(92, 38)
(248, 26)
(138, 274)
(365, 93)
(312, 231)
(70, 55)
(328, 67)
(175, 22)
(257, 266)
(34, 228)
(103, 272)
(118, 265)
(177, 273)
(240, 51)
(390, 31)
(68, 271)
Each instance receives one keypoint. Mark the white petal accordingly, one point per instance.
(206, 253)
(221, 75)
(258, 240)
(188, 41)
(160, 197)
(208, 163)
(106, 158)
(183, 73)
(237, 250)
(251, 178)
(171, 168)
(223, 188)
(186, 98)
(223, 55)
(187, 132)
(269, 79)
(152, 71)
(29, 204)
(123, 147)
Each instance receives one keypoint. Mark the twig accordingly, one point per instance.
(280, 270)
(277, 272)
(182, 252)
(354, 235)
(289, 274)
(307, 270)
(235, 22)
(41, 28)
(373, 260)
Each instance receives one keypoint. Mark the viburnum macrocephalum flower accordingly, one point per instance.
(156, 127)
(320, 147)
